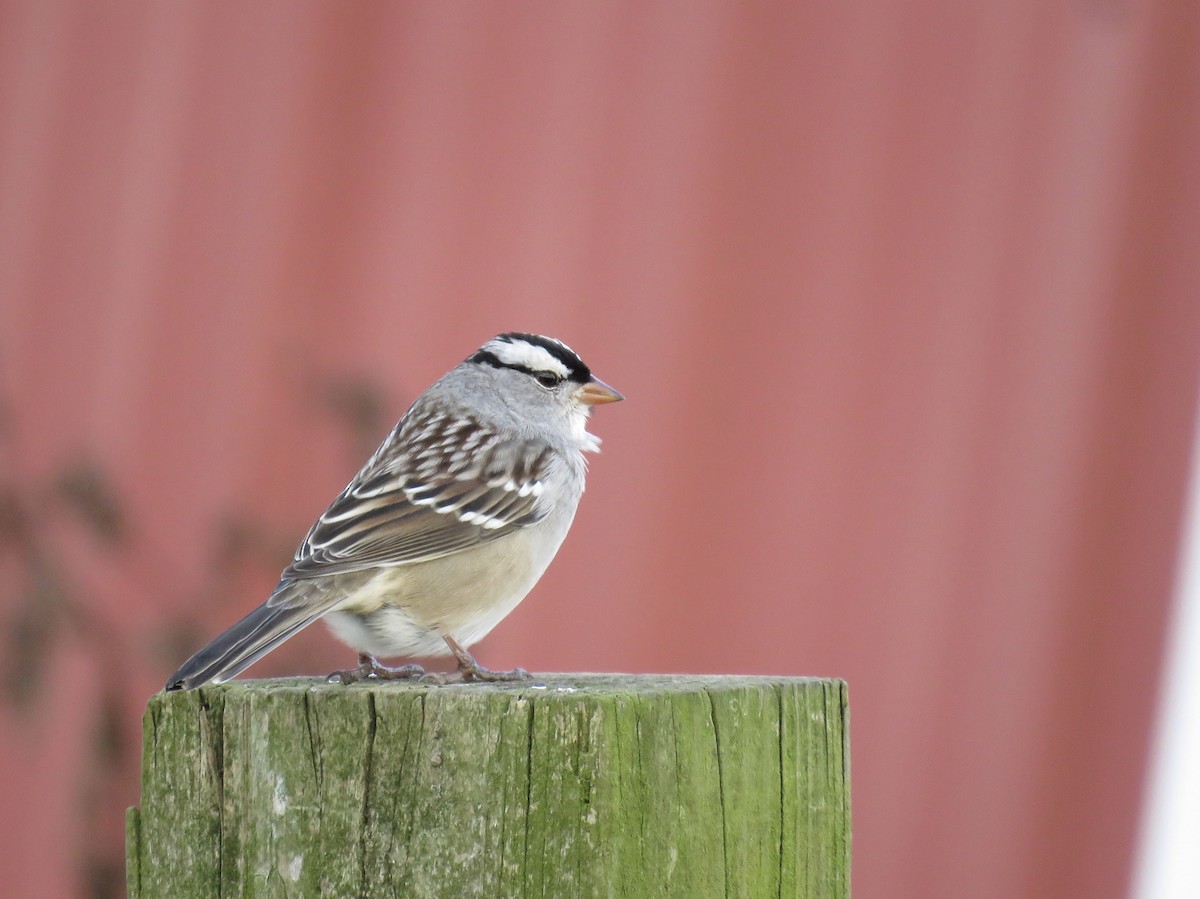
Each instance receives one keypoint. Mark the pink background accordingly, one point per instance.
(903, 297)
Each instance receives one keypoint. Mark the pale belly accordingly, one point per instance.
(406, 610)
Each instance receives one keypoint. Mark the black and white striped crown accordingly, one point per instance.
(532, 354)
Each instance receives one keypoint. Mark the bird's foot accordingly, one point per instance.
(471, 674)
(471, 671)
(370, 669)
(476, 672)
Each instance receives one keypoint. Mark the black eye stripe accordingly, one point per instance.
(564, 354)
(489, 359)
(577, 371)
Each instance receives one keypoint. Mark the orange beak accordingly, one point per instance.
(595, 392)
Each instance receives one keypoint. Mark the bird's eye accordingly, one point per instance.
(547, 379)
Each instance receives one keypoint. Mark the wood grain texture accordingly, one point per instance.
(571, 785)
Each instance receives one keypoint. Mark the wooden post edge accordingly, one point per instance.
(566, 785)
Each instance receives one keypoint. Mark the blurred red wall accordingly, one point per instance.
(903, 297)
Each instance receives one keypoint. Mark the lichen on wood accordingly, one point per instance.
(567, 785)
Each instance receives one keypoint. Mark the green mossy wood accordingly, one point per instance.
(568, 785)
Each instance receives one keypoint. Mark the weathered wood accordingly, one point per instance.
(571, 785)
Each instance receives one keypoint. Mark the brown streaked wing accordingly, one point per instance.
(446, 485)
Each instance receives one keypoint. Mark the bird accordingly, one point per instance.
(445, 529)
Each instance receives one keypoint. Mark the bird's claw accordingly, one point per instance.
(478, 673)
(370, 669)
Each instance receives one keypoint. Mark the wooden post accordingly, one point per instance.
(568, 785)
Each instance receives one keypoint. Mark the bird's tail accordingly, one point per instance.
(245, 643)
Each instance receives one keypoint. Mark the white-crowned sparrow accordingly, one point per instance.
(446, 528)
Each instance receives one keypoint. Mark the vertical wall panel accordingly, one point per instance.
(903, 301)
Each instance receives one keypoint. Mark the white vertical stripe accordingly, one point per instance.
(1168, 861)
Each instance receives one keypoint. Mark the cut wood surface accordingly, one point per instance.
(566, 785)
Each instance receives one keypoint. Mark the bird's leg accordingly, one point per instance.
(470, 670)
(370, 669)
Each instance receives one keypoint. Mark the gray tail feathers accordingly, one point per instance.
(244, 644)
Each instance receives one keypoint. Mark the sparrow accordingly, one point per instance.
(445, 529)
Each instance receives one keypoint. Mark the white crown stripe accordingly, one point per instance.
(527, 355)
